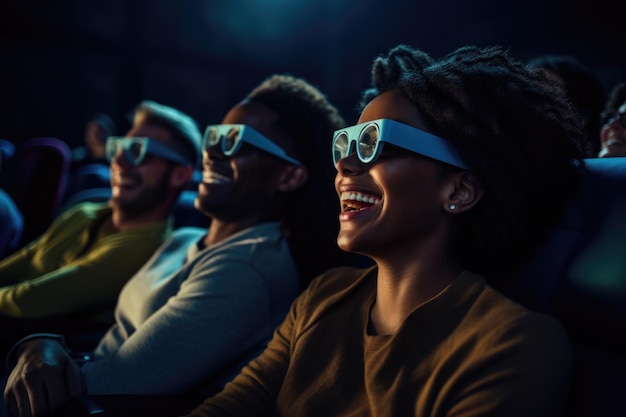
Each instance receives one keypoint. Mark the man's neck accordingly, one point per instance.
(219, 231)
(123, 222)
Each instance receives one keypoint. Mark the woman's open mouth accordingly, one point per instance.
(356, 201)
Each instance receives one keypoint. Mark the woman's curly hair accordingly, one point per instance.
(515, 130)
(312, 214)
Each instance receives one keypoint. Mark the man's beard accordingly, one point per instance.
(144, 202)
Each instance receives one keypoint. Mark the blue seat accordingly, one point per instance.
(7, 149)
(185, 213)
(35, 177)
(96, 195)
(86, 177)
(579, 277)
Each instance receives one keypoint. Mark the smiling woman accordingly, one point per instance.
(437, 201)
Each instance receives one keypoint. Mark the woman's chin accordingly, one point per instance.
(348, 242)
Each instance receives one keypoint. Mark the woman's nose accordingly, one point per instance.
(350, 165)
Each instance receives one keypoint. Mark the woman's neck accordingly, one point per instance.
(405, 283)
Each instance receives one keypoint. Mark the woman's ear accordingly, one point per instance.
(180, 176)
(292, 177)
(462, 192)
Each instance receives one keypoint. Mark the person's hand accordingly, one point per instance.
(44, 378)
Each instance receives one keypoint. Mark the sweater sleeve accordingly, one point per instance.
(92, 280)
(220, 311)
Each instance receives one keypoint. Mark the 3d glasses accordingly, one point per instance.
(368, 139)
(232, 136)
(608, 117)
(135, 150)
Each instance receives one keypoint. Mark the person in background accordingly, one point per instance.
(583, 88)
(208, 301)
(98, 128)
(71, 276)
(441, 184)
(89, 167)
(613, 131)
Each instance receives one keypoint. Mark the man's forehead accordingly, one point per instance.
(253, 114)
(159, 133)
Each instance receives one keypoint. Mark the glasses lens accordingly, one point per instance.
(340, 149)
(609, 117)
(112, 146)
(212, 137)
(136, 150)
(368, 141)
(232, 137)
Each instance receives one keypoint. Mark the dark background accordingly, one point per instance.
(61, 61)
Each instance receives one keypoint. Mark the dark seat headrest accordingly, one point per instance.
(579, 274)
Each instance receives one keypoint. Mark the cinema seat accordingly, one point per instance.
(35, 176)
(185, 213)
(579, 277)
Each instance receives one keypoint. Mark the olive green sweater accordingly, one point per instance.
(59, 273)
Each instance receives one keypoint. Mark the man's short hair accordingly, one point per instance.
(182, 127)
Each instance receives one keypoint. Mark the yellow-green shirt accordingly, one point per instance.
(59, 273)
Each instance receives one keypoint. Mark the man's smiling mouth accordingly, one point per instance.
(212, 177)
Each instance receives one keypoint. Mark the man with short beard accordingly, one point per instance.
(77, 268)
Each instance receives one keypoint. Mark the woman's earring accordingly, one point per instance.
(452, 206)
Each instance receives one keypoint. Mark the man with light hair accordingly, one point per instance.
(76, 269)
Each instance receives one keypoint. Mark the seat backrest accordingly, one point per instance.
(579, 276)
(35, 177)
(86, 177)
(185, 213)
(7, 149)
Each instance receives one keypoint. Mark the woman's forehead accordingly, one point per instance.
(395, 106)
